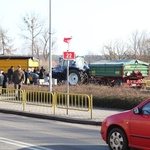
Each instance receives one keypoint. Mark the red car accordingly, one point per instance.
(128, 129)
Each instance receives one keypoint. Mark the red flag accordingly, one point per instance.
(67, 40)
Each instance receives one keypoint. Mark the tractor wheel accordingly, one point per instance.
(74, 77)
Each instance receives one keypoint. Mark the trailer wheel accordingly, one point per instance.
(117, 82)
(74, 77)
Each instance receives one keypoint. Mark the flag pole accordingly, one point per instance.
(67, 40)
(68, 82)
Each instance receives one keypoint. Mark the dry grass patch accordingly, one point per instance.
(103, 96)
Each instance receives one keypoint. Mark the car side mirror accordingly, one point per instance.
(136, 110)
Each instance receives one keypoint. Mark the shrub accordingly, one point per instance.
(103, 96)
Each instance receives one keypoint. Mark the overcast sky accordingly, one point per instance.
(90, 22)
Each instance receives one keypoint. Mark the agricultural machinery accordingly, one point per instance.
(77, 68)
(104, 72)
(119, 72)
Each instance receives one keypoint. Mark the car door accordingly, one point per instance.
(140, 127)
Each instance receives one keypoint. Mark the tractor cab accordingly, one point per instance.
(78, 62)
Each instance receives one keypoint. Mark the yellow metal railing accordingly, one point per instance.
(147, 84)
(39, 97)
(11, 95)
(79, 102)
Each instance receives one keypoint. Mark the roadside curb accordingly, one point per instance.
(51, 117)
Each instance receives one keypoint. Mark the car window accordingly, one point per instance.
(146, 109)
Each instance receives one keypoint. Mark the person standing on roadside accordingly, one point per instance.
(26, 76)
(41, 75)
(10, 73)
(18, 78)
(4, 86)
(1, 78)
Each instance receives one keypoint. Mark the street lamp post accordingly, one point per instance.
(50, 52)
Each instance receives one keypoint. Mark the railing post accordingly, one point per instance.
(67, 103)
(24, 100)
(91, 105)
(54, 101)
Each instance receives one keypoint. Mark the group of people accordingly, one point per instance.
(36, 74)
(19, 77)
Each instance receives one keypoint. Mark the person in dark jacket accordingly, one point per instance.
(10, 73)
(18, 79)
(4, 85)
(35, 77)
(26, 76)
(41, 75)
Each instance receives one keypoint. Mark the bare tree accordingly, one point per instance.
(147, 48)
(37, 33)
(33, 26)
(139, 45)
(42, 45)
(114, 50)
(5, 42)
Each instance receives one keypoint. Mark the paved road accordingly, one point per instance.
(24, 133)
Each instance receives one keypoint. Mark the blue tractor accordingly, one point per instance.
(77, 69)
